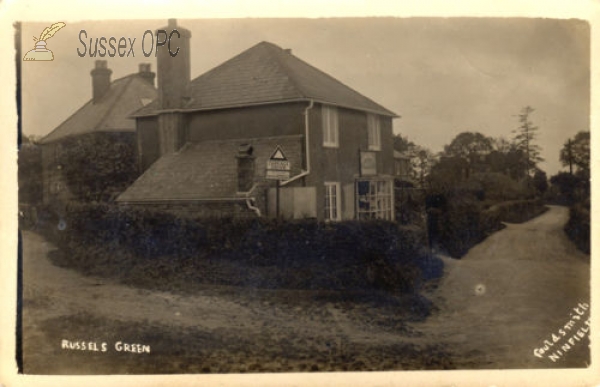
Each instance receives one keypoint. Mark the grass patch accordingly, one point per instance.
(193, 350)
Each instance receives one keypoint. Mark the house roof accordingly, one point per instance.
(208, 170)
(110, 113)
(266, 73)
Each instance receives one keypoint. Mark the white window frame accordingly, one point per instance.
(330, 126)
(374, 132)
(378, 202)
(333, 202)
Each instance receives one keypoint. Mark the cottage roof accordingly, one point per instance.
(208, 170)
(110, 113)
(264, 74)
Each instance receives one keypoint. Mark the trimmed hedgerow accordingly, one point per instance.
(517, 211)
(158, 250)
(459, 222)
(578, 226)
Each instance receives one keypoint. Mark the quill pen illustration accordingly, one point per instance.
(50, 31)
(40, 52)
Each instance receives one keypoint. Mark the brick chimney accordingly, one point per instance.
(245, 167)
(173, 86)
(174, 71)
(146, 73)
(100, 80)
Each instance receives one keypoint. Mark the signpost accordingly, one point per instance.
(278, 168)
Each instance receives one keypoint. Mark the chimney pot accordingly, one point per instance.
(245, 150)
(146, 73)
(100, 80)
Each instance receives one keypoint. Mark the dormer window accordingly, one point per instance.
(374, 132)
(330, 126)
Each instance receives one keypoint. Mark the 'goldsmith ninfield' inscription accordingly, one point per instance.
(567, 336)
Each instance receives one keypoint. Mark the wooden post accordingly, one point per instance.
(277, 198)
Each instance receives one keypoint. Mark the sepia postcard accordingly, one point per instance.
(368, 195)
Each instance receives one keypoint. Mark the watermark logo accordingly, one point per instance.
(40, 52)
(125, 47)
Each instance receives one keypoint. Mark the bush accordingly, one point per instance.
(155, 249)
(578, 226)
(499, 187)
(459, 222)
(516, 211)
(456, 222)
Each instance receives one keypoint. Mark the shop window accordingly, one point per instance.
(374, 199)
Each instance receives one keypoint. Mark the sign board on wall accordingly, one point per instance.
(368, 163)
(278, 166)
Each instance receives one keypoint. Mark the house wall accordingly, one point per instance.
(147, 141)
(257, 121)
(342, 164)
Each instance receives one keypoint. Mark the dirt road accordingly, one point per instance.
(496, 306)
(510, 293)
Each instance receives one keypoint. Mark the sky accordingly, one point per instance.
(442, 76)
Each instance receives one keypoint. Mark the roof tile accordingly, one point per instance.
(110, 114)
(265, 73)
(208, 169)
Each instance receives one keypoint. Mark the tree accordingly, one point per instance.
(468, 144)
(30, 171)
(402, 144)
(568, 185)
(471, 147)
(98, 165)
(502, 145)
(576, 152)
(540, 181)
(422, 160)
(524, 140)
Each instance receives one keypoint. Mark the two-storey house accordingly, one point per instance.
(205, 144)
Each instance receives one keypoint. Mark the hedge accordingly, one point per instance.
(517, 211)
(578, 225)
(155, 249)
(460, 223)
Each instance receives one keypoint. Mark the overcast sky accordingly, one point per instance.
(443, 76)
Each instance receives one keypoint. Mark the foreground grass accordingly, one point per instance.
(176, 349)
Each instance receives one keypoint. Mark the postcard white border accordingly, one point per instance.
(13, 10)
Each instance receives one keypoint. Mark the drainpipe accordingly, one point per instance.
(306, 139)
(251, 206)
(250, 200)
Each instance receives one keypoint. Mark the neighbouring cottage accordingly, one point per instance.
(102, 120)
(204, 144)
